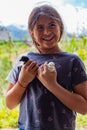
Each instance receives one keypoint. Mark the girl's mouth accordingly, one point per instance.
(48, 38)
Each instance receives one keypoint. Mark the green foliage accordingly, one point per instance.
(77, 46)
(8, 54)
(82, 53)
(8, 118)
(81, 120)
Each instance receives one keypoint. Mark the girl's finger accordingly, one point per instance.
(45, 67)
(27, 63)
(34, 69)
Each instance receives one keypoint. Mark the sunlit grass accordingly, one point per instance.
(8, 55)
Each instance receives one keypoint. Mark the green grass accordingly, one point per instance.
(81, 120)
(9, 53)
(10, 117)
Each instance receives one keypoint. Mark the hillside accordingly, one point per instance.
(14, 32)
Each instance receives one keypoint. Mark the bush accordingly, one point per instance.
(8, 118)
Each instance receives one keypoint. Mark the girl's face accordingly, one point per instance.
(46, 33)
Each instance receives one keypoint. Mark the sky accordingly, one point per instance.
(73, 12)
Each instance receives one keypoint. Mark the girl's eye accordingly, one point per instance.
(39, 27)
(52, 25)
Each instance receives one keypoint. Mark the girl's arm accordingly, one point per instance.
(16, 91)
(14, 94)
(75, 101)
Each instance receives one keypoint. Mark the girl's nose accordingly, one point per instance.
(46, 31)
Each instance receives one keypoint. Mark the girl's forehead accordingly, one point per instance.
(44, 18)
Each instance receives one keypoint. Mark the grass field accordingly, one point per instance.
(8, 54)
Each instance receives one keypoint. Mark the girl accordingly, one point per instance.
(48, 100)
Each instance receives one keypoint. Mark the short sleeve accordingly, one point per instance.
(78, 72)
(14, 73)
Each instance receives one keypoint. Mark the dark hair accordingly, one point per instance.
(48, 11)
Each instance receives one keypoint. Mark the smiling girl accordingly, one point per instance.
(48, 100)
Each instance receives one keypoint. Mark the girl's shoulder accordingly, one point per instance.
(71, 55)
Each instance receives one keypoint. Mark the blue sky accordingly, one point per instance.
(17, 11)
(81, 3)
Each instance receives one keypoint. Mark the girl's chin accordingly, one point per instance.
(48, 42)
(48, 48)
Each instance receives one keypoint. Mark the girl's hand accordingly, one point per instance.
(28, 72)
(47, 78)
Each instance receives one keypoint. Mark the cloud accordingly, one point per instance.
(74, 18)
(17, 11)
(69, 15)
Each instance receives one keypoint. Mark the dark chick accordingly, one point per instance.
(24, 59)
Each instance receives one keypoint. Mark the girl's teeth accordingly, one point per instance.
(48, 38)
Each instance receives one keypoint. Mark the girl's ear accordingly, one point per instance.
(31, 33)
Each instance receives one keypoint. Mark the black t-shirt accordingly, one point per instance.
(39, 108)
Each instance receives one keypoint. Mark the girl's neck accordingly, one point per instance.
(50, 51)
